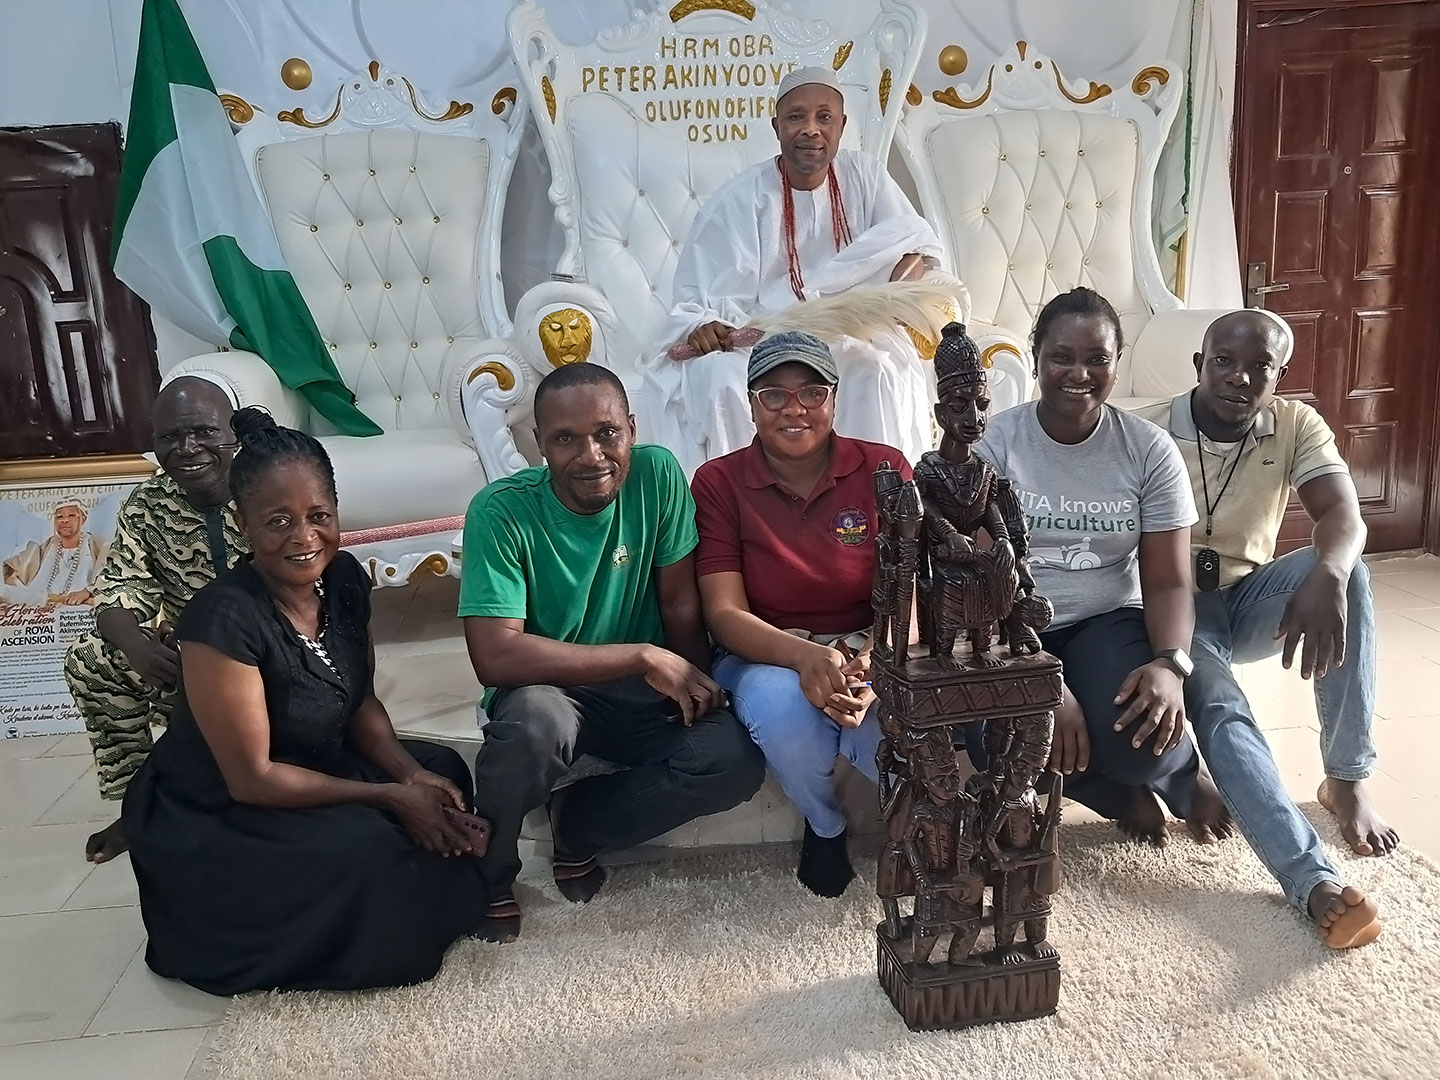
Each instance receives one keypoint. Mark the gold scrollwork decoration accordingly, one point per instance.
(841, 55)
(885, 81)
(987, 358)
(1021, 47)
(456, 110)
(504, 97)
(924, 346)
(913, 96)
(1095, 93)
(295, 73)
(950, 96)
(504, 377)
(374, 68)
(743, 8)
(1146, 79)
(547, 91)
(436, 564)
(237, 108)
(297, 116)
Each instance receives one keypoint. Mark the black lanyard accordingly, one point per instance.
(1210, 507)
(215, 533)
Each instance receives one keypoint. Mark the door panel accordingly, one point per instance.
(1333, 151)
(77, 356)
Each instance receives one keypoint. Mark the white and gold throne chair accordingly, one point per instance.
(1038, 183)
(647, 121)
(388, 214)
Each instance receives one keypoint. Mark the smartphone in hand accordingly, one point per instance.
(476, 828)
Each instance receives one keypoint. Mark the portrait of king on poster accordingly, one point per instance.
(53, 543)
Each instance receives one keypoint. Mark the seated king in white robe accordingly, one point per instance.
(813, 222)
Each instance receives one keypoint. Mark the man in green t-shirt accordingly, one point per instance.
(582, 617)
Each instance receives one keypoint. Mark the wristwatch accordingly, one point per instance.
(1179, 660)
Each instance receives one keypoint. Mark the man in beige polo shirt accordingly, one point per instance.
(1246, 449)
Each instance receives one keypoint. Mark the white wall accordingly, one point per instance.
(84, 74)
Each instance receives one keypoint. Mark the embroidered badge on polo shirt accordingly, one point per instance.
(620, 556)
(850, 526)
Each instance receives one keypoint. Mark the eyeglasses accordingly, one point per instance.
(776, 398)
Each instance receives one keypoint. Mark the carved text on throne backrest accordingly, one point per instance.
(741, 70)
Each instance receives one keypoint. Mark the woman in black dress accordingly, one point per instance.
(281, 835)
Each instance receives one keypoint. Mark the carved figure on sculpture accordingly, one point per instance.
(971, 588)
(1021, 837)
(901, 516)
(894, 877)
(940, 845)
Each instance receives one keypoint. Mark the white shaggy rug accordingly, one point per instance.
(1183, 963)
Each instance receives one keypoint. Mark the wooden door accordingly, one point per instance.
(77, 352)
(1337, 169)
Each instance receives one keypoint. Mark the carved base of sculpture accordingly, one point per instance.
(932, 997)
(955, 960)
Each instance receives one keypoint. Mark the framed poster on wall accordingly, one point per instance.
(53, 540)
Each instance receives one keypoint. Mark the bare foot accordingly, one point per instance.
(1346, 917)
(1364, 829)
(107, 843)
(1145, 820)
(1209, 820)
(578, 877)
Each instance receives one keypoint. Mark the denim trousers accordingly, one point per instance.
(1237, 624)
(1098, 653)
(799, 741)
(673, 773)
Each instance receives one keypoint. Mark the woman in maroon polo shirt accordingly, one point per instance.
(786, 565)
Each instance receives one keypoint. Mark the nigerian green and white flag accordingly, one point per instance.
(191, 236)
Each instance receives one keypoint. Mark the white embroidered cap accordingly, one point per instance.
(808, 76)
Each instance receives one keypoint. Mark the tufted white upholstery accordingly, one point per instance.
(381, 230)
(640, 188)
(389, 220)
(1035, 193)
(1038, 202)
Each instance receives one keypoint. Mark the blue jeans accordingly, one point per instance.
(1098, 653)
(799, 741)
(1238, 623)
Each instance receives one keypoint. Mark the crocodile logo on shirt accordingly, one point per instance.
(850, 526)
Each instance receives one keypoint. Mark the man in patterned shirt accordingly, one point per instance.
(176, 533)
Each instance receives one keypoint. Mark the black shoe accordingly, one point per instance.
(824, 864)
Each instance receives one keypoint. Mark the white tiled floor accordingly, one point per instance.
(76, 999)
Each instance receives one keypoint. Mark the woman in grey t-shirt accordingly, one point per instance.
(1109, 507)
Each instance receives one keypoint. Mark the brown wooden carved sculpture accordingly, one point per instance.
(953, 541)
(970, 588)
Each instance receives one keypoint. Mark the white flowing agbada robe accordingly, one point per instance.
(734, 267)
(32, 574)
